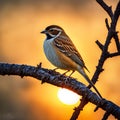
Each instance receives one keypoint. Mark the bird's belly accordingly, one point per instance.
(57, 58)
(51, 54)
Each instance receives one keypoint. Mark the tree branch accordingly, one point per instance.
(54, 78)
(106, 7)
(49, 76)
(110, 55)
(99, 44)
(117, 41)
(113, 25)
(78, 109)
(111, 34)
(107, 24)
(105, 54)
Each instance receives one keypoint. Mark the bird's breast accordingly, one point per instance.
(57, 58)
(50, 52)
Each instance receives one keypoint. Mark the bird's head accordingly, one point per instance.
(53, 31)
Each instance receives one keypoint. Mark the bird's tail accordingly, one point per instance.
(81, 71)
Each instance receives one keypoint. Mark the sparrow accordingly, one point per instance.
(62, 53)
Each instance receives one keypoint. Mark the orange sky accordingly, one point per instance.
(22, 43)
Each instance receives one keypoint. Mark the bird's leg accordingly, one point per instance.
(67, 79)
(72, 73)
(65, 72)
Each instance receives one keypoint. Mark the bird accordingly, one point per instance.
(62, 53)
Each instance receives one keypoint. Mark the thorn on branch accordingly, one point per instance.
(21, 71)
(102, 102)
(100, 69)
(97, 107)
(99, 45)
(11, 69)
(39, 65)
(107, 24)
(106, 115)
(42, 81)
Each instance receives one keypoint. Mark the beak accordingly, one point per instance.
(43, 32)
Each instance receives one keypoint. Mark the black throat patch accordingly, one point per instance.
(49, 36)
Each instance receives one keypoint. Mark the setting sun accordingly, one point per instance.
(68, 97)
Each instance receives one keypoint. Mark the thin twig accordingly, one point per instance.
(99, 44)
(106, 7)
(117, 41)
(107, 24)
(110, 55)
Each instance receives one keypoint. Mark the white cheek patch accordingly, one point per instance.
(52, 35)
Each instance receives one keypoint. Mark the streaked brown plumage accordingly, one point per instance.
(61, 52)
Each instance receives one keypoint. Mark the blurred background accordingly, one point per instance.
(21, 42)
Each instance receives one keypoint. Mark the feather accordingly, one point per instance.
(66, 46)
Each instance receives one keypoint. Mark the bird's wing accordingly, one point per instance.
(65, 45)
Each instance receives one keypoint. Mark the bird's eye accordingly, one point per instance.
(51, 30)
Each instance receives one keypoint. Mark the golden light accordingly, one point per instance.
(68, 97)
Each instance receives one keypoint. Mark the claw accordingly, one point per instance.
(55, 69)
